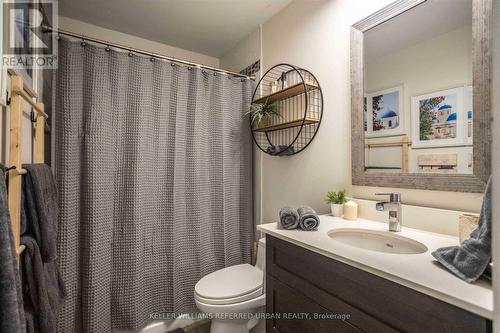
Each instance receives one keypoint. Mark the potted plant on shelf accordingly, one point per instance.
(260, 113)
(336, 201)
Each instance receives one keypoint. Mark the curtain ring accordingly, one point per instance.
(172, 64)
(130, 54)
(107, 48)
(58, 36)
(83, 43)
(152, 59)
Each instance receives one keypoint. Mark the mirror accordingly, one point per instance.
(415, 82)
(418, 90)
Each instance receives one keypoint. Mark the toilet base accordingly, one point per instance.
(229, 326)
(238, 326)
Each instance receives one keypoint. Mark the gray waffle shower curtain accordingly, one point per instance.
(153, 165)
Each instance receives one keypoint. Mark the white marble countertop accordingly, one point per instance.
(417, 271)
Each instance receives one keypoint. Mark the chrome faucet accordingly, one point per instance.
(394, 208)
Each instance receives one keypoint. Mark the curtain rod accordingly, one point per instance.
(48, 29)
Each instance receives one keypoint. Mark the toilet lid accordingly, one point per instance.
(230, 282)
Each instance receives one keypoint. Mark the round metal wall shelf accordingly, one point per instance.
(298, 102)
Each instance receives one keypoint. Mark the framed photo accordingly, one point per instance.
(438, 119)
(469, 114)
(365, 117)
(385, 114)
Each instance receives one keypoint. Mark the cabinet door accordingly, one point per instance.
(293, 312)
(376, 304)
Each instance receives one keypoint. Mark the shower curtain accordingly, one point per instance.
(153, 165)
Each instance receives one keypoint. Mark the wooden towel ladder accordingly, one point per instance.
(20, 94)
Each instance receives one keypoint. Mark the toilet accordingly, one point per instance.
(230, 294)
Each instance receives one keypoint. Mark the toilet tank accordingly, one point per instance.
(261, 255)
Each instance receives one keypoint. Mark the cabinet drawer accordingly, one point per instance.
(288, 306)
(393, 305)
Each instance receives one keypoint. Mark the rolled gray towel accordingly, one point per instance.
(289, 218)
(280, 150)
(308, 219)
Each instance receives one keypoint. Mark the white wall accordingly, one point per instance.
(91, 30)
(245, 53)
(439, 63)
(315, 35)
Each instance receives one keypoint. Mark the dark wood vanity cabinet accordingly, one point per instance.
(308, 292)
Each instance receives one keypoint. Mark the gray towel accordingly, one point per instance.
(308, 219)
(280, 150)
(289, 218)
(470, 260)
(32, 226)
(41, 184)
(24, 218)
(43, 289)
(11, 302)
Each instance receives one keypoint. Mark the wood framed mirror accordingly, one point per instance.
(421, 96)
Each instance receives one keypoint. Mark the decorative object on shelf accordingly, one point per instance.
(282, 150)
(336, 201)
(274, 87)
(467, 223)
(297, 97)
(351, 210)
(437, 163)
(283, 80)
(261, 112)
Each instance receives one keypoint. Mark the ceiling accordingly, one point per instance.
(210, 27)
(423, 22)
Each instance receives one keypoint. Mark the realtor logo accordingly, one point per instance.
(25, 44)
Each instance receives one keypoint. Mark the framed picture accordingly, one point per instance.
(365, 118)
(385, 114)
(469, 114)
(438, 119)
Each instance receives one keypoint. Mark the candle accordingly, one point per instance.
(350, 210)
(274, 86)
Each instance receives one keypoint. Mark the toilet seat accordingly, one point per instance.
(230, 285)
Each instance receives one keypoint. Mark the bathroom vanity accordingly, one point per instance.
(317, 283)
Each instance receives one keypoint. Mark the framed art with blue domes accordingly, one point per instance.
(469, 109)
(439, 119)
(385, 113)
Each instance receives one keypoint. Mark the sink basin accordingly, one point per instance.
(380, 241)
